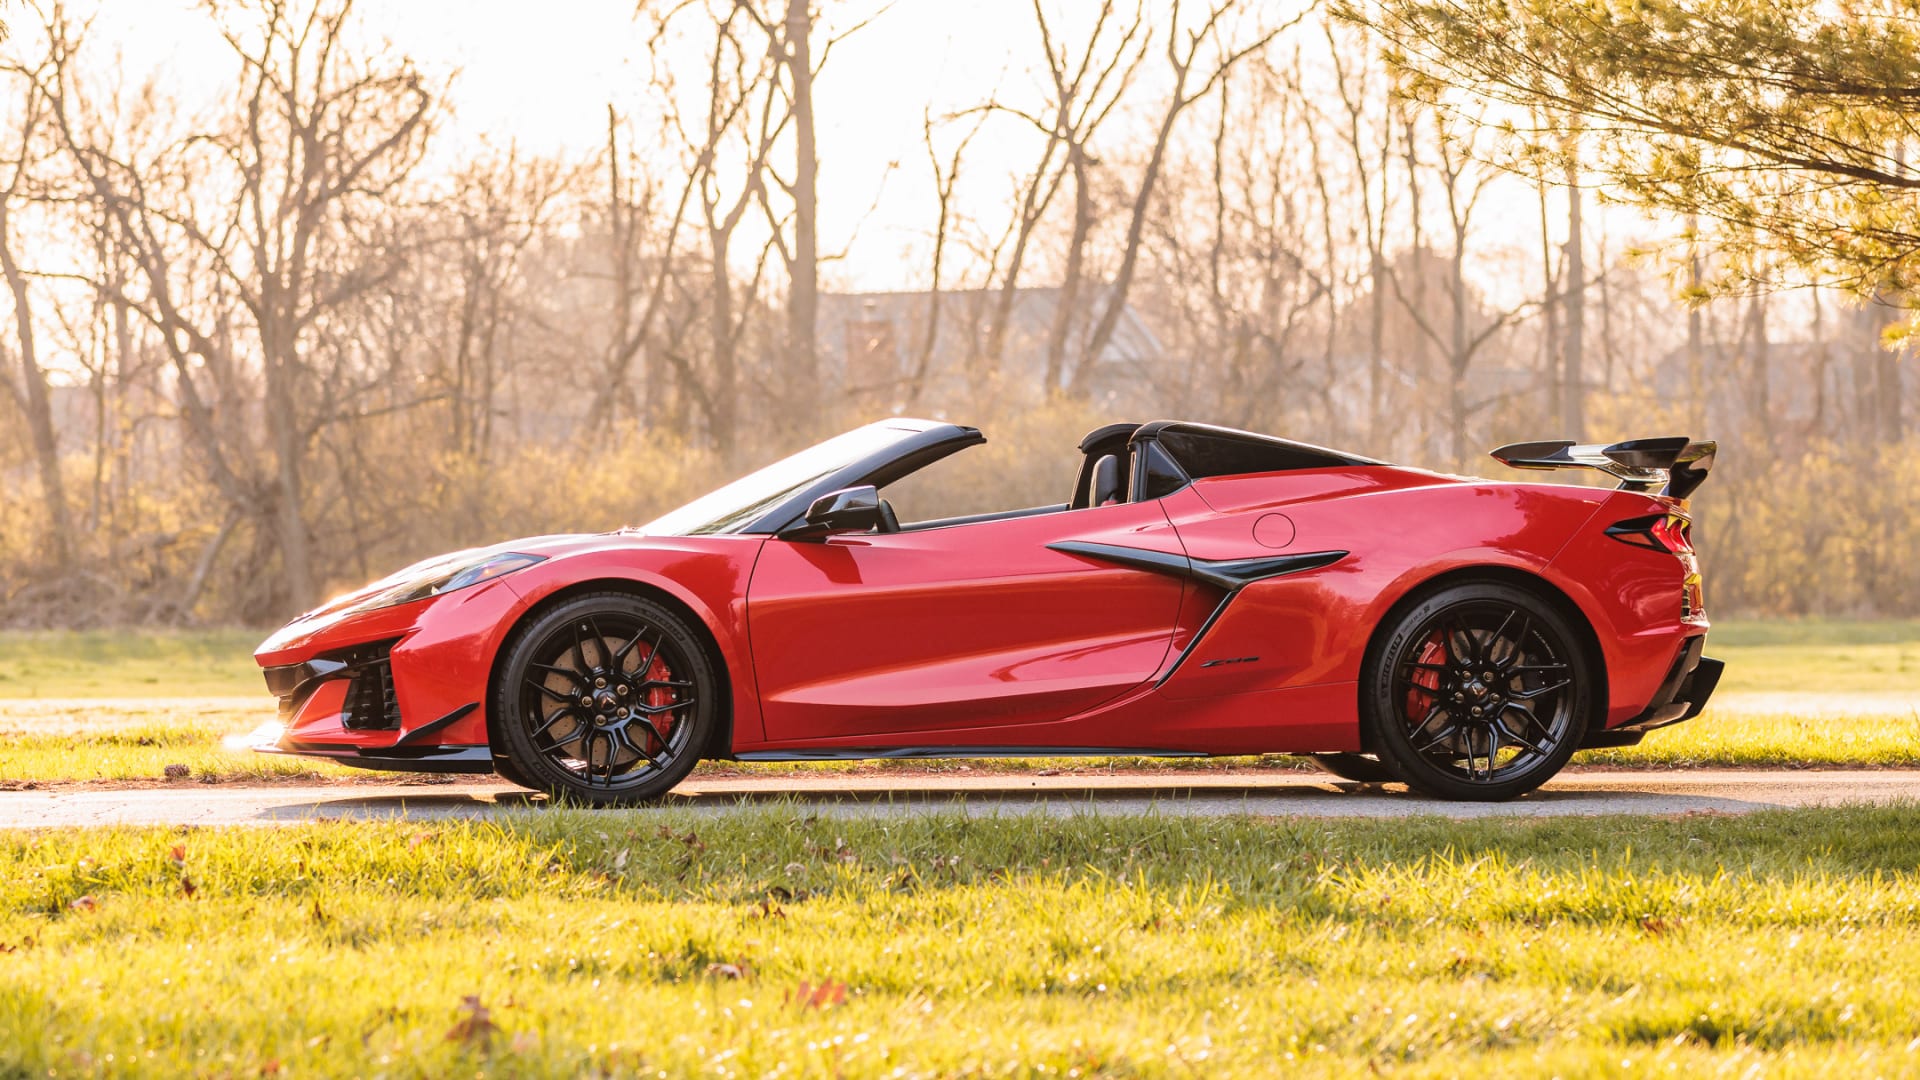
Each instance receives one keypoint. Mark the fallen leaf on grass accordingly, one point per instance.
(475, 1028)
(691, 839)
(809, 996)
(1660, 925)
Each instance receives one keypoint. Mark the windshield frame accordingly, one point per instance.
(770, 499)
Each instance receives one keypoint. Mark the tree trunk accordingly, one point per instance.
(37, 401)
(803, 295)
(721, 417)
(1759, 371)
(289, 449)
(1461, 356)
(1573, 413)
(1068, 299)
(1696, 333)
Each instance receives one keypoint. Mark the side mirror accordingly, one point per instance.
(855, 509)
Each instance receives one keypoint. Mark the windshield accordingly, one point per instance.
(748, 499)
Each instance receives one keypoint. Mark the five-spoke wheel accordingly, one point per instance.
(606, 698)
(1479, 691)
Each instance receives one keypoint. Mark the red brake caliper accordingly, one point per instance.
(658, 696)
(1418, 703)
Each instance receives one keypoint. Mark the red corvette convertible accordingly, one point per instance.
(1201, 591)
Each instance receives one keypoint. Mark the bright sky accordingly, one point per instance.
(542, 75)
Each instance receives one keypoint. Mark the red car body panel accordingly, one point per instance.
(974, 626)
(982, 635)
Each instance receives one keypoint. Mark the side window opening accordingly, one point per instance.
(973, 482)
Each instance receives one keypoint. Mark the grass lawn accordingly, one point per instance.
(130, 664)
(773, 944)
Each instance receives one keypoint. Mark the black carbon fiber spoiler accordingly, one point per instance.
(1673, 465)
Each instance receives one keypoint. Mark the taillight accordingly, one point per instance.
(1655, 532)
(1673, 534)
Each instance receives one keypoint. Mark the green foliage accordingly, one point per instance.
(1833, 532)
(763, 942)
(1778, 123)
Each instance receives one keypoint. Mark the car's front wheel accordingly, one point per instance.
(1479, 691)
(607, 699)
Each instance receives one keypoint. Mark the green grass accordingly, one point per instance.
(610, 942)
(129, 664)
(1741, 633)
(1762, 740)
(144, 752)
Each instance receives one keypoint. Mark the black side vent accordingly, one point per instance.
(371, 705)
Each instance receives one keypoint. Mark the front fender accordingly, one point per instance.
(706, 575)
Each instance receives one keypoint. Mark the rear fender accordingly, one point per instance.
(1316, 627)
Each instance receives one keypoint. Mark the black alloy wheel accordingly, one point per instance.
(1479, 691)
(605, 699)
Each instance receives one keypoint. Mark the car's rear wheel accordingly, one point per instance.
(1360, 768)
(605, 699)
(1479, 691)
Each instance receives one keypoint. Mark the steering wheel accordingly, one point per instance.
(889, 521)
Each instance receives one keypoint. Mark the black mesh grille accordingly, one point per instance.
(371, 705)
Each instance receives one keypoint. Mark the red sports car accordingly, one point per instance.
(1201, 591)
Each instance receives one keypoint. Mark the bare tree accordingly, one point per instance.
(274, 208)
(946, 174)
(29, 389)
(499, 207)
(744, 112)
(1369, 148)
(1462, 181)
(1199, 59)
(640, 281)
(1085, 84)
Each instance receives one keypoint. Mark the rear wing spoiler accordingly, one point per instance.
(1673, 465)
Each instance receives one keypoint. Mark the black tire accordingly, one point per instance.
(606, 699)
(1360, 768)
(1480, 691)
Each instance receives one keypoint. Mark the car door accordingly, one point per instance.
(945, 633)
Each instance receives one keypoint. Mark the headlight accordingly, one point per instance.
(445, 576)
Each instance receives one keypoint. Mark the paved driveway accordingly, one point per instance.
(1300, 794)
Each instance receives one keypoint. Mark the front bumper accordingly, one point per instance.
(274, 738)
(396, 688)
